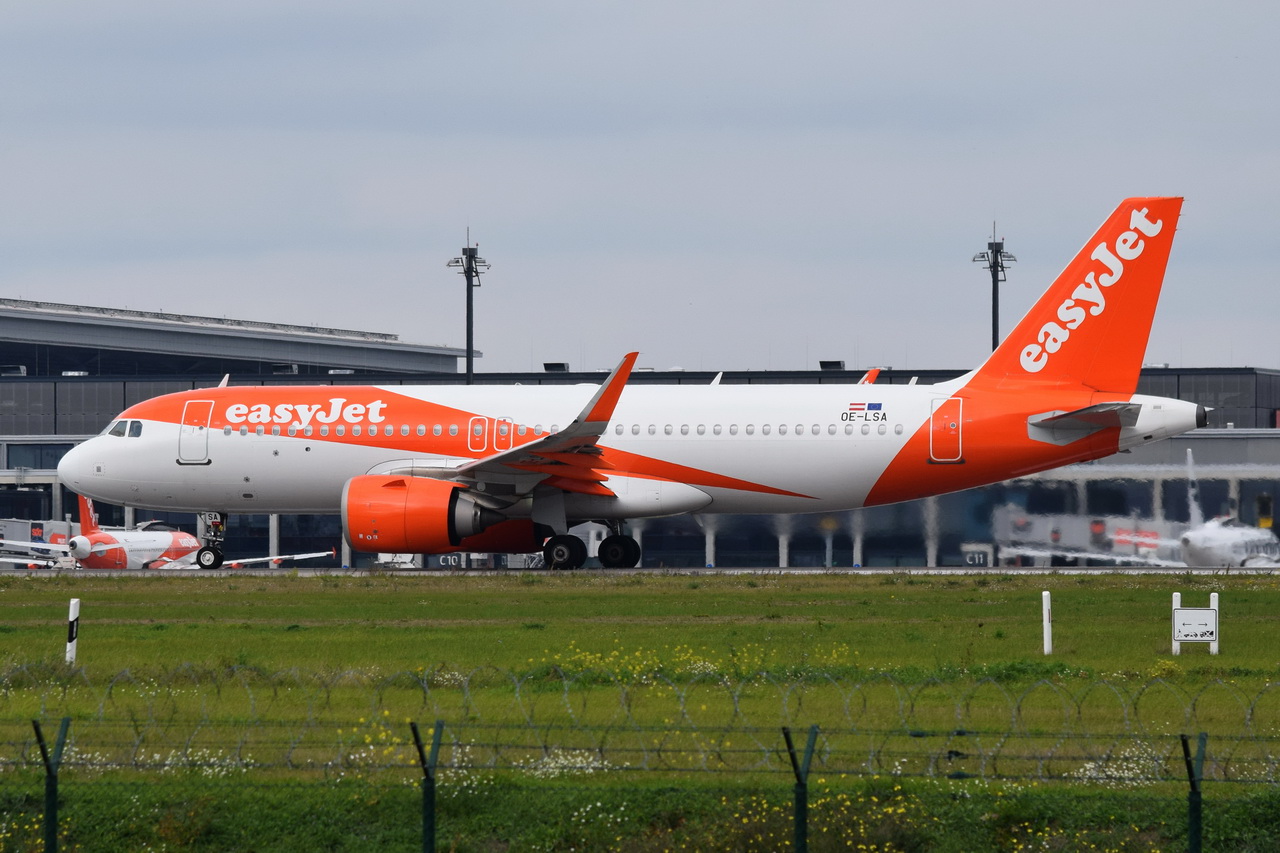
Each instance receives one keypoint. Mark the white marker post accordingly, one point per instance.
(73, 630)
(1195, 624)
(1047, 612)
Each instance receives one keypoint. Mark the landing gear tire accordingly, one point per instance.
(209, 558)
(564, 552)
(619, 552)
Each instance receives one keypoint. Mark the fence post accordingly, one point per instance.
(51, 764)
(801, 770)
(1195, 775)
(428, 763)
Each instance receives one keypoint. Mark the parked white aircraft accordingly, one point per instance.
(1226, 541)
(434, 469)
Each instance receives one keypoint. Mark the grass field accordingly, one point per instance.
(910, 625)
(706, 654)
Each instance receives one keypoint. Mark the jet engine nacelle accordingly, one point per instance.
(410, 515)
(79, 547)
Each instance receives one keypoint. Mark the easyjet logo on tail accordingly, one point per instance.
(1089, 298)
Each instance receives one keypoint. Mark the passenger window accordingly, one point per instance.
(617, 430)
(244, 430)
(882, 429)
(226, 430)
(387, 430)
(848, 429)
(684, 429)
(897, 429)
(635, 429)
(293, 430)
(667, 429)
(733, 429)
(275, 430)
(522, 429)
(817, 429)
(261, 431)
(355, 430)
(404, 429)
(118, 428)
(764, 429)
(702, 430)
(324, 430)
(340, 429)
(866, 429)
(307, 430)
(799, 429)
(831, 429)
(422, 429)
(653, 429)
(782, 429)
(751, 429)
(453, 429)
(437, 429)
(715, 429)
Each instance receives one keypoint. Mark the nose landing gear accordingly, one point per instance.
(213, 529)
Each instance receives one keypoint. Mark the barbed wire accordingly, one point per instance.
(329, 725)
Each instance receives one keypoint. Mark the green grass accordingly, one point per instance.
(911, 626)
(176, 664)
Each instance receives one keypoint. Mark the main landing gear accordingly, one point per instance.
(213, 530)
(617, 551)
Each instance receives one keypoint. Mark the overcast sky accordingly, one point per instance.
(718, 185)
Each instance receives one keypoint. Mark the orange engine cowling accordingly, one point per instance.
(410, 515)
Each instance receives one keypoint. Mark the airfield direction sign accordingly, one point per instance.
(1195, 624)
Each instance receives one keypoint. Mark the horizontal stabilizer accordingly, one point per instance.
(1066, 427)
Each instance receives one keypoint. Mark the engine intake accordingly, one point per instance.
(410, 515)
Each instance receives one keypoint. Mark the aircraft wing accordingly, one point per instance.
(570, 459)
(45, 546)
(30, 562)
(239, 564)
(1137, 559)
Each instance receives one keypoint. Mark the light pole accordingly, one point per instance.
(995, 257)
(471, 263)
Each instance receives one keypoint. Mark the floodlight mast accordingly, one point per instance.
(995, 258)
(471, 264)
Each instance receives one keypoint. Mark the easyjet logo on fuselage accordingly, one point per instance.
(302, 414)
(1088, 298)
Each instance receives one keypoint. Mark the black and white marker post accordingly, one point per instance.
(73, 631)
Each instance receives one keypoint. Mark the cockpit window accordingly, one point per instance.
(135, 429)
(117, 428)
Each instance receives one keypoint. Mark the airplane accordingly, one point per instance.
(495, 469)
(1224, 542)
(149, 545)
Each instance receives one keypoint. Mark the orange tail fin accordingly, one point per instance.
(1090, 328)
(88, 517)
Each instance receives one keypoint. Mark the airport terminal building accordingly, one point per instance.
(66, 371)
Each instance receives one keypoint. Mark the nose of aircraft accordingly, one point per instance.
(75, 467)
